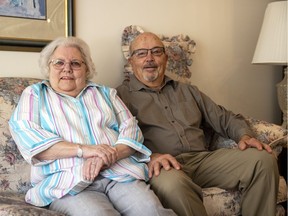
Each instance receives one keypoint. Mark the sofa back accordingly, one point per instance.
(14, 170)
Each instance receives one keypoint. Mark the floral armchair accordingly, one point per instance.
(179, 49)
(14, 170)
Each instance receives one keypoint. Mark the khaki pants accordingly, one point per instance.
(253, 172)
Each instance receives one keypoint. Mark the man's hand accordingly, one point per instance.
(248, 142)
(162, 160)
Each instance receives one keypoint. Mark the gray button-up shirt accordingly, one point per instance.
(173, 118)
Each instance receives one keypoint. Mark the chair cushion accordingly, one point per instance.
(13, 204)
(221, 202)
(227, 202)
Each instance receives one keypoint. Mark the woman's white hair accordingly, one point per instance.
(47, 52)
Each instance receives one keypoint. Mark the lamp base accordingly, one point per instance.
(282, 97)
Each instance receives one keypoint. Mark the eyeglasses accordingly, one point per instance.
(59, 64)
(155, 51)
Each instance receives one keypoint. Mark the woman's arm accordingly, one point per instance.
(63, 149)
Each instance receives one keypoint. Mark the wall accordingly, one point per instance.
(225, 31)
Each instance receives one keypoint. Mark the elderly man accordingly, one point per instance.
(172, 116)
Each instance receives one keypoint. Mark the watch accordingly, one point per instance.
(79, 151)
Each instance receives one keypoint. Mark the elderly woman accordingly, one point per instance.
(84, 146)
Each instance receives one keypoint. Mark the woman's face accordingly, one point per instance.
(67, 72)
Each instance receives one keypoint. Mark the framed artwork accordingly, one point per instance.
(28, 25)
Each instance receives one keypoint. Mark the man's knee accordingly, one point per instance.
(177, 191)
(175, 182)
(170, 182)
(265, 162)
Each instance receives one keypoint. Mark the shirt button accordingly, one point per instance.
(173, 121)
(166, 107)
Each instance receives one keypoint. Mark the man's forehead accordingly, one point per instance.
(144, 40)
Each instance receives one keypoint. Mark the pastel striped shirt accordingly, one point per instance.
(43, 118)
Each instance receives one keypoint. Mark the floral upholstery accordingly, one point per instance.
(14, 170)
(13, 204)
(266, 132)
(217, 201)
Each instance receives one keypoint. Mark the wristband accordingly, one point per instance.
(79, 151)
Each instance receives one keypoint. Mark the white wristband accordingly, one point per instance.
(79, 151)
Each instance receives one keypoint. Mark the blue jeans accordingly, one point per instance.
(107, 197)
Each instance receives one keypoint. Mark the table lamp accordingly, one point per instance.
(271, 47)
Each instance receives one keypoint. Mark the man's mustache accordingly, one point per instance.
(150, 65)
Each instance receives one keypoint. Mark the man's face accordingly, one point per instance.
(148, 59)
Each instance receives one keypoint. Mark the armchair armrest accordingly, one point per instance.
(268, 133)
(281, 142)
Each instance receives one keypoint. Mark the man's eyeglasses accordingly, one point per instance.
(155, 51)
(59, 64)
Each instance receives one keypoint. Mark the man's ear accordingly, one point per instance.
(166, 56)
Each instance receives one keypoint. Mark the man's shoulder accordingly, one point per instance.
(123, 90)
(124, 86)
(182, 85)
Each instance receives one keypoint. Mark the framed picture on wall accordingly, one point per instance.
(28, 25)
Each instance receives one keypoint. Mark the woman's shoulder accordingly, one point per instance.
(35, 88)
(105, 90)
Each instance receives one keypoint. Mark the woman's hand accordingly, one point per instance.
(107, 153)
(102, 156)
(92, 167)
(64, 149)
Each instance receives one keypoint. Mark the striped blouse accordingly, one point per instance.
(44, 118)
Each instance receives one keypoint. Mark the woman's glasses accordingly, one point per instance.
(59, 64)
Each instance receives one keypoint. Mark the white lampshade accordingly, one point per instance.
(272, 42)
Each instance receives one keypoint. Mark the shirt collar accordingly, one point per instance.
(89, 84)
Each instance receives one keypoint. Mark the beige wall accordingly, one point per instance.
(225, 31)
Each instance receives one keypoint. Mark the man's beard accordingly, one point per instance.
(151, 76)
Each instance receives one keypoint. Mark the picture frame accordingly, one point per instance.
(26, 34)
